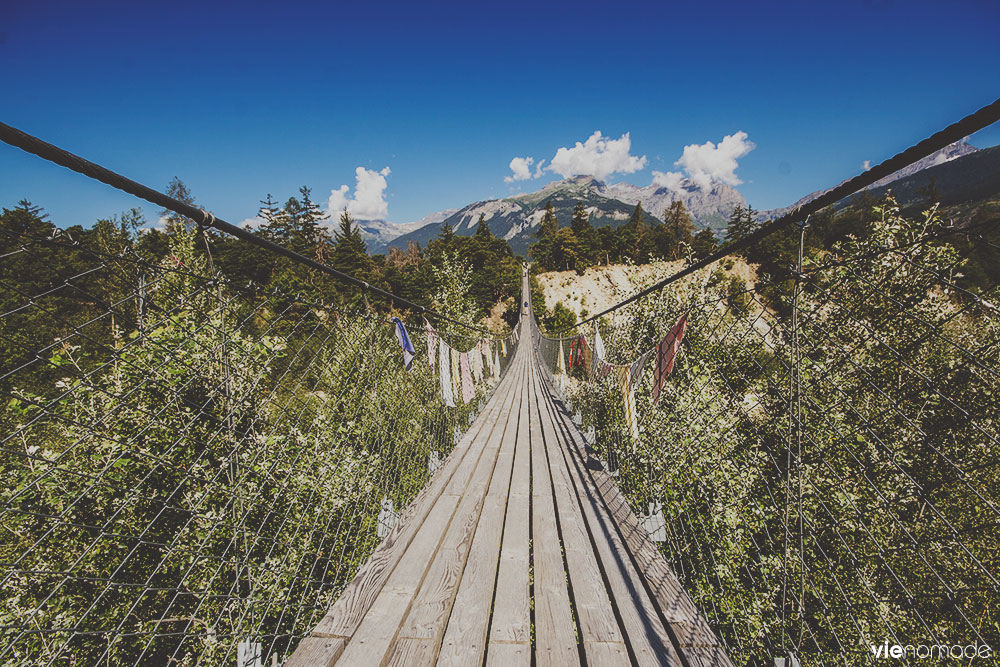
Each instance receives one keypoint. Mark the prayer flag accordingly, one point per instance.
(628, 400)
(477, 362)
(598, 350)
(444, 368)
(432, 338)
(467, 389)
(404, 342)
(635, 370)
(666, 353)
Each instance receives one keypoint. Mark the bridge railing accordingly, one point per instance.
(194, 465)
(821, 465)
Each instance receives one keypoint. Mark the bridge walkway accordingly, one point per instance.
(519, 548)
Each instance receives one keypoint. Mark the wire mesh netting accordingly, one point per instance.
(820, 468)
(191, 463)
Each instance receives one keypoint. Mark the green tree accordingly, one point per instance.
(181, 193)
(742, 223)
(350, 254)
(585, 234)
(704, 243)
(677, 231)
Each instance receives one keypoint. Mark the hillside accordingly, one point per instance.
(603, 286)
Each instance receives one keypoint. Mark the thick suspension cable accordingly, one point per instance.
(47, 151)
(972, 123)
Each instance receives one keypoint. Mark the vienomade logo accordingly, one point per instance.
(938, 651)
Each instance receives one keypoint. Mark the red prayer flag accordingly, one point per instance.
(666, 352)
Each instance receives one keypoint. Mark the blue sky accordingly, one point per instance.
(242, 99)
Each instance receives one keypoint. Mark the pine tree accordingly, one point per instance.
(542, 249)
(309, 231)
(483, 232)
(679, 228)
(268, 210)
(181, 193)
(704, 243)
(350, 254)
(585, 234)
(741, 224)
(549, 224)
(636, 235)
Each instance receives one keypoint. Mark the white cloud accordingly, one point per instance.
(866, 165)
(538, 169)
(705, 163)
(252, 223)
(670, 180)
(521, 166)
(368, 202)
(598, 156)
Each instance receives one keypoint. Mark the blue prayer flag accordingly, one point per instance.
(404, 342)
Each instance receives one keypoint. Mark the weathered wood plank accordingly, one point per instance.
(511, 620)
(606, 654)
(645, 633)
(555, 631)
(687, 623)
(432, 604)
(464, 640)
(380, 626)
(347, 613)
(595, 615)
(509, 655)
(317, 652)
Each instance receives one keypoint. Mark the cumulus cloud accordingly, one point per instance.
(368, 201)
(671, 180)
(707, 162)
(866, 165)
(598, 156)
(521, 166)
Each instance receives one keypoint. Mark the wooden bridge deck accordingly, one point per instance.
(519, 548)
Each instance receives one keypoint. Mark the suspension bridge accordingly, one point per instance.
(202, 470)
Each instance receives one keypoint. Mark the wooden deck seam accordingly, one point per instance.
(510, 391)
(696, 623)
(647, 627)
(606, 582)
(515, 398)
(522, 404)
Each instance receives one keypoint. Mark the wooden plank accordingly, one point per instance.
(707, 656)
(317, 652)
(613, 653)
(508, 655)
(598, 626)
(408, 652)
(686, 622)
(555, 631)
(464, 640)
(380, 626)
(648, 638)
(432, 604)
(511, 620)
(346, 614)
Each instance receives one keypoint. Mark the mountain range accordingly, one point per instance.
(960, 173)
(515, 218)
